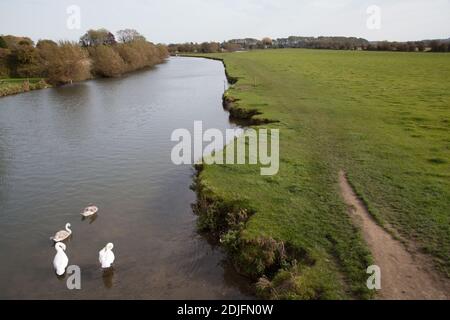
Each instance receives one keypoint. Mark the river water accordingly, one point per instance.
(107, 142)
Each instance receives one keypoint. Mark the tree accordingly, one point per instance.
(106, 61)
(44, 43)
(132, 58)
(400, 46)
(163, 52)
(210, 47)
(147, 51)
(97, 37)
(3, 43)
(231, 47)
(384, 46)
(45, 48)
(66, 63)
(24, 61)
(443, 47)
(435, 45)
(4, 65)
(13, 42)
(129, 35)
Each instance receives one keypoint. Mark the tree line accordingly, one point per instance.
(335, 43)
(99, 53)
(411, 46)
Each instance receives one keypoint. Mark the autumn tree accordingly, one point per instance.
(231, 47)
(44, 43)
(45, 48)
(129, 35)
(66, 63)
(3, 44)
(97, 37)
(13, 41)
(163, 52)
(106, 62)
(4, 67)
(24, 60)
(131, 57)
(210, 47)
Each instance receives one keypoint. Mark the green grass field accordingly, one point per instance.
(382, 117)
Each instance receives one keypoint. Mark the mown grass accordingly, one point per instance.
(382, 117)
(9, 86)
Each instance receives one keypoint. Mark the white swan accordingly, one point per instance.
(61, 260)
(63, 234)
(106, 256)
(89, 211)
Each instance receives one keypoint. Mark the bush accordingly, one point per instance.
(140, 54)
(66, 63)
(4, 68)
(132, 58)
(106, 62)
(3, 44)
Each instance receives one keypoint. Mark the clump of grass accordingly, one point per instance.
(299, 282)
(437, 161)
(15, 86)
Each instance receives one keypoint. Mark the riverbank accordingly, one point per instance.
(12, 86)
(292, 233)
(97, 55)
(279, 268)
(15, 86)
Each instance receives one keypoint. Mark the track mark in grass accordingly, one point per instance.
(404, 275)
(437, 161)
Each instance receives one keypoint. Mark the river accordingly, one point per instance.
(107, 142)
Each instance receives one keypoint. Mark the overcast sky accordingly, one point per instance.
(217, 20)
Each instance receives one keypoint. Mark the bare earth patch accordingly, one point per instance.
(404, 275)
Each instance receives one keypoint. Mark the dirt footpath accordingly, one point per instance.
(404, 275)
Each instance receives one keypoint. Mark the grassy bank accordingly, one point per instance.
(10, 86)
(382, 117)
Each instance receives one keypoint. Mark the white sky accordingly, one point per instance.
(217, 20)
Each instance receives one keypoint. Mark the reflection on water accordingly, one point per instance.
(90, 219)
(108, 142)
(108, 277)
